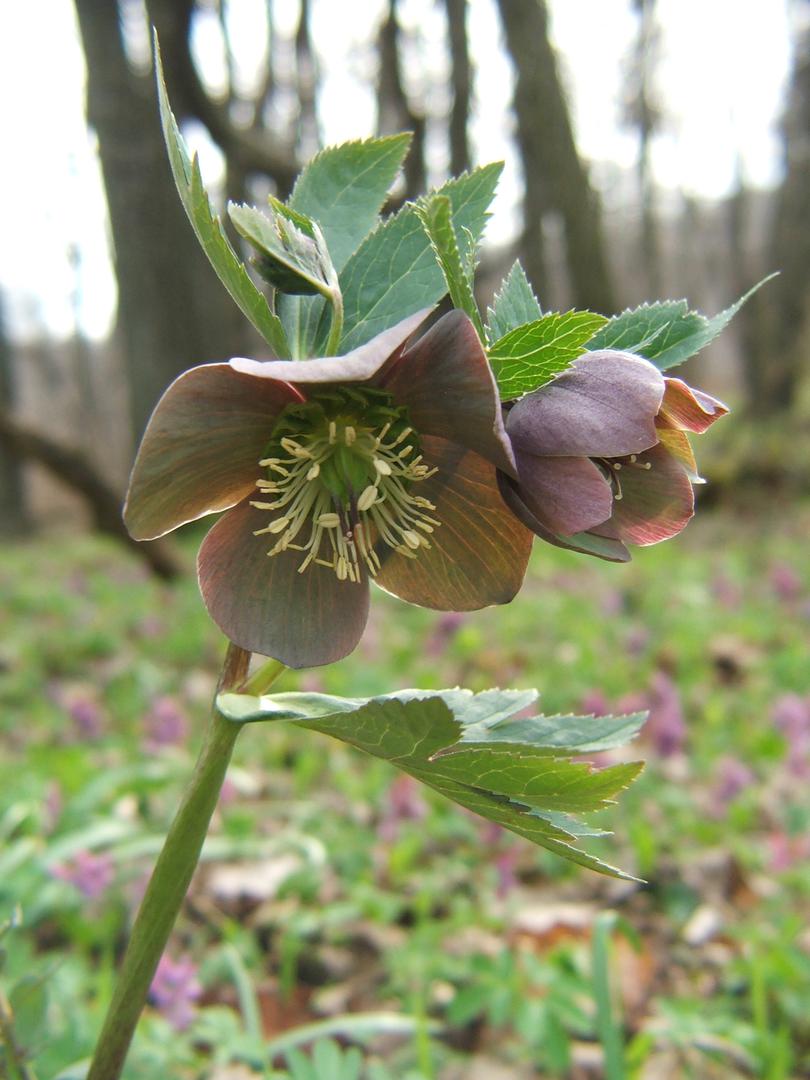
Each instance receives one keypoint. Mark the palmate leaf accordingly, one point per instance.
(514, 305)
(343, 188)
(667, 332)
(436, 215)
(230, 270)
(515, 772)
(394, 272)
(530, 356)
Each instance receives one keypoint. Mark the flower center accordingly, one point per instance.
(612, 467)
(340, 468)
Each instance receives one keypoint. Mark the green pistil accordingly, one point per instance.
(340, 469)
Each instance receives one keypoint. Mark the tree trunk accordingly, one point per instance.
(14, 519)
(461, 84)
(172, 311)
(554, 176)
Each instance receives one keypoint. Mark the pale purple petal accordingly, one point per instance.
(567, 494)
(603, 406)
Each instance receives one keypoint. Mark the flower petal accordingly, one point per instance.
(201, 448)
(599, 543)
(677, 443)
(478, 554)
(359, 365)
(445, 380)
(567, 494)
(655, 503)
(603, 406)
(264, 605)
(690, 409)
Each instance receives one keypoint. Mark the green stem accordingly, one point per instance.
(263, 678)
(336, 330)
(169, 882)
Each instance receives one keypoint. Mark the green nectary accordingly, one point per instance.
(344, 464)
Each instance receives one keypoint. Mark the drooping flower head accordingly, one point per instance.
(379, 464)
(602, 455)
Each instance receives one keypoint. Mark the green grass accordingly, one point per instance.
(345, 908)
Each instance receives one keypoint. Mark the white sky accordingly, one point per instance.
(721, 82)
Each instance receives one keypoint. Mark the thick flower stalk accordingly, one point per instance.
(602, 455)
(377, 465)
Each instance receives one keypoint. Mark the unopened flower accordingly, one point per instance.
(602, 455)
(379, 464)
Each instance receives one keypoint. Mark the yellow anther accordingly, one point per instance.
(367, 498)
(328, 521)
(382, 466)
(313, 471)
(349, 435)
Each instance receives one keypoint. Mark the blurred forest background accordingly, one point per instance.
(591, 233)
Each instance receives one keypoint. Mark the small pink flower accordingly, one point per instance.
(785, 582)
(404, 803)
(666, 726)
(732, 777)
(175, 989)
(91, 874)
(166, 723)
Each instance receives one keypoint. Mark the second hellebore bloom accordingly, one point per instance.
(378, 464)
(602, 455)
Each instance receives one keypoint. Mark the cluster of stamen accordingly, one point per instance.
(613, 468)
(339, 473)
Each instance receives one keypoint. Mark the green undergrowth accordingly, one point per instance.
(332, 888)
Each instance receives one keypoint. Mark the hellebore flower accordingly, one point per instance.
(378, 464)
(602, 455)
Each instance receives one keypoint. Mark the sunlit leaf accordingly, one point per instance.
(514, 305)
(530, 356)
(436, 215)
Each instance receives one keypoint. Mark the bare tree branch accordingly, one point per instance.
(73, 469)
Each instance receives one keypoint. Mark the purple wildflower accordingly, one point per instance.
(91, 874)
(166, 723)
(404, 803)
(785, 582)
(732, 776)
(174, 990)
(665, 727)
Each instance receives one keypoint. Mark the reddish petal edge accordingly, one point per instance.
(690, 409)
(265, 606)
(657, 503)
(478, 554)
(201, 448)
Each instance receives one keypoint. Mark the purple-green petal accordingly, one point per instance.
(478, 553)
(264, 605)
(201, 448)
(567, 494)
(656, 502)
(359, 365)
(594, 542)
(446, 382)
(603, 406)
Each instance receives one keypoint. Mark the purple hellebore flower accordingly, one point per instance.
(378, 464)
(602, 455)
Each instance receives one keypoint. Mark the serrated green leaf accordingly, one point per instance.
(436, 217)
(514, 305)
(292, 253)
(470, 749)
(230, 270)
(343, 188)
(394, 272)
(530, 356)
(667, 333)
